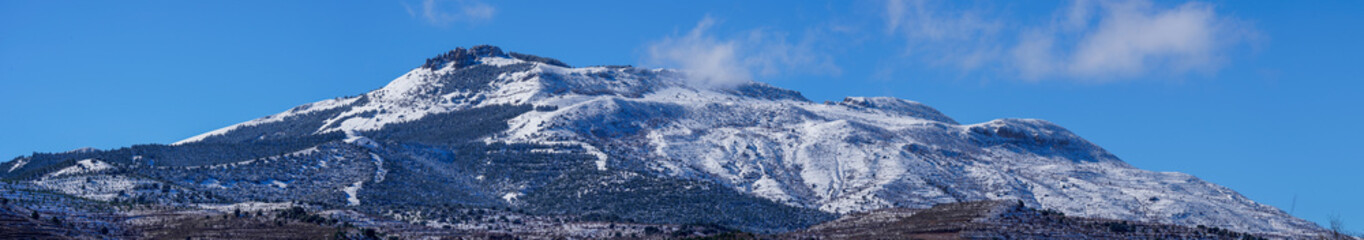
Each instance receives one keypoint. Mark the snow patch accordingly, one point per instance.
(511, 196)
(18, 164)
(213, 182)
(601, 157)
(359, 140)
(352, 193)
(770, 189)
(499, 61)
(88, 165)
(246, 206)
(379, 170)
(279, 184)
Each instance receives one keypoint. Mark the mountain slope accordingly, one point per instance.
(1000, 219)
(480, 127)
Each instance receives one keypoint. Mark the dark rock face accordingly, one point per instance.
(533, 58)
(768, 92)
(463, 57)
(469, 57)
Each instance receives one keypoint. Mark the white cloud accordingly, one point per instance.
(1092, 41)
(445, 12)
(1129, 39)
(942, 34)
(711, 61)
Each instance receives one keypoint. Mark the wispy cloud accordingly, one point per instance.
(717, 61)
(1094, 41)
(944, 34)
(1129, 39)
(445, 12)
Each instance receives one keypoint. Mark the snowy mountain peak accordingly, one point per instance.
(754, 139)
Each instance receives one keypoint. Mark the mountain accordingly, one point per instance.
(531, 136)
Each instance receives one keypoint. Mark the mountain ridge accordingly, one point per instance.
(569, 132)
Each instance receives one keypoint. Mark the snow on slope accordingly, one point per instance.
(82, 166)
(97, 187)
(856, 155)
(304, 109)
(18, 163)
(83, 179)
(852, 157)
(353, 193)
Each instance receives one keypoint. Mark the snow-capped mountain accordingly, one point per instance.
(483, 127)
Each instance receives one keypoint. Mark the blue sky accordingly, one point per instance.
(1260, 96)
